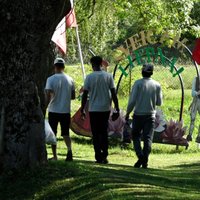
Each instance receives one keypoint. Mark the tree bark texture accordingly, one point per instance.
(25, 62)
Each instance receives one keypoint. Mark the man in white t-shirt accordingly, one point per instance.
(59, 91)
(100, 87)
(194, 108)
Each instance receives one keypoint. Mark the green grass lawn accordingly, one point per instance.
(172, 174)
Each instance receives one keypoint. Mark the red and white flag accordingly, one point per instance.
(196, 52)
(59, 36)
(70, 17)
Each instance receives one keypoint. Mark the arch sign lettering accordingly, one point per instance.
(147, 47)
(133, 47)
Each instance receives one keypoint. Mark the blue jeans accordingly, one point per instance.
(142, 127)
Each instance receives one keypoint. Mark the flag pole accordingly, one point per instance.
(80, 52)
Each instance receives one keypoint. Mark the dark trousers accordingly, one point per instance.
(99, 125)
(63, 118)
(143, 125)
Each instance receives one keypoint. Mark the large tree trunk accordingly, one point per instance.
(25, 62)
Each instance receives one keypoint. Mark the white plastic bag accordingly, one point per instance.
(116, 126)
(50, 137)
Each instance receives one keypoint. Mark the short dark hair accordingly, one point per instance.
(147, 70)
(96, 61)
(146, 74)
(59, 65)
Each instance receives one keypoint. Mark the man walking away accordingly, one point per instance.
(59, 91)
(100, 87)
(145, 95)
(194, 108)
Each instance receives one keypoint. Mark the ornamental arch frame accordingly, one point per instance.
(146, 39)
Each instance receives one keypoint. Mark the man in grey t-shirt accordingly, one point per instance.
(145, 96)
(59, 91)
(100, 87)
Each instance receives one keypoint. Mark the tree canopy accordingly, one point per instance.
(105, 24)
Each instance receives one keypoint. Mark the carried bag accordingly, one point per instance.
(116, 125)
(50, 137)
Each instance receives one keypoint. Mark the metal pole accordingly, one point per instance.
(90, 50)
(80, 52)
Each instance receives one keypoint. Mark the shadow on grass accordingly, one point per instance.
(113, 142)
(82, 140)
(86, 180)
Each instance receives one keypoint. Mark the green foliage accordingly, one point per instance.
(98, 27)
(75, 72)
(195, 30)
(104, 25)
(179, 17)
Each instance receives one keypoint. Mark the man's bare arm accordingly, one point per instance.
(48, 94)
(115, 99)
(84, 100)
